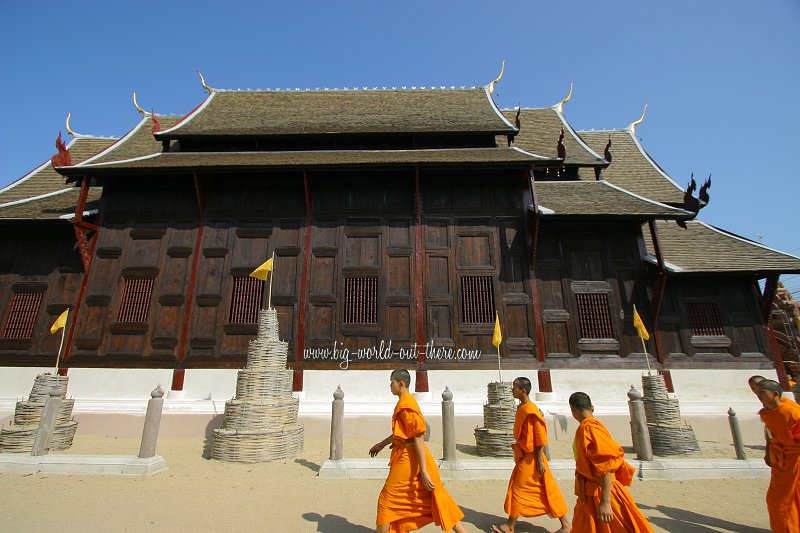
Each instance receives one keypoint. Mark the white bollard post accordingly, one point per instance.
(337, 426)
(152, 421)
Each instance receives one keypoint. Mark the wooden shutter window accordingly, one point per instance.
(705, 319)
(477, 299)
(361, 300)
(246, 300)
(135, 300)
(22, 315)
(595, 315)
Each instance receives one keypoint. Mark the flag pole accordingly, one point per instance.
(60, 346)
(269, 295)
(644, 346)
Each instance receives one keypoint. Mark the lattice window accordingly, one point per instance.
(705, 318)
(595, 315)
(22, 315)
(477, 299)
(135, 300)
(246, 300)
(361, 300)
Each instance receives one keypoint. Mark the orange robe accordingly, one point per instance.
(783, 494)
(597, 454)
(404, 501)
(530, 494)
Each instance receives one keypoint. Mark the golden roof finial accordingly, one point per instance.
(69, 130)
(560, 105)
(136, 105)
(208, 89)
(498, 78)
(635, 123)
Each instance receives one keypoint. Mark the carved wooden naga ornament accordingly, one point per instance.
(62, 158)
(690, 203)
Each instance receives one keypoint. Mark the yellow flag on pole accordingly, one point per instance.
(497, 337)
(60, 322)
(262, 271)
(639, 325)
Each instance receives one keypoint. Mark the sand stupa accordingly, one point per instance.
(21, 434)
(496, 436)
(669, 435)
(260, 423)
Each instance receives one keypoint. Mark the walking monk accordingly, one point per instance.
(413, 494)
(532, 489)
(782, 419)
(601, 475)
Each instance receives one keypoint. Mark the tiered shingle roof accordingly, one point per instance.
(598, 199)
(631, 167)
(187, 161)
(261, 113)
(539, 131)
(702, 248)
(42, 194)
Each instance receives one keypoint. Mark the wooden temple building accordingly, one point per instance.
(402, 223)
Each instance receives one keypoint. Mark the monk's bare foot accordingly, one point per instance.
(502, 529)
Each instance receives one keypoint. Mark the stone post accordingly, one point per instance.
(337, 425)
(448, 426)
(152, 421)
(737, 434)
(639, 431)
(41, 445)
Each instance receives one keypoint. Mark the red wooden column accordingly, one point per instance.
(421, 378)
(179, 374)
(297, 378)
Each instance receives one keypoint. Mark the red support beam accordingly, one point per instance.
(532, 225)
(658, 293)
(200, 193)
(87, 252)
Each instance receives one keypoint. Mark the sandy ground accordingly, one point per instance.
(200, 495)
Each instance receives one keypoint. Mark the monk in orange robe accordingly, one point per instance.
(781, 417)
(532, 489)
(413, 494)
(601, 475)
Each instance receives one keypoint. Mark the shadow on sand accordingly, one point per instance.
(214, 423)
(485, 521)
(683, 521)
(314, 467)
(331, 523)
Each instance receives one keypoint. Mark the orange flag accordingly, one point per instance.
(497, 337)
(639, 325)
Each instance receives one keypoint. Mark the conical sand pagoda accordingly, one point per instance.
(21, 434)
(669, 435)
(496, 436)
(260, 423)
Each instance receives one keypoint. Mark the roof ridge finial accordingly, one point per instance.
(632, 127)
(69, 130)
(208, 89)
(498, 78)
(136, 105)
(560, 105)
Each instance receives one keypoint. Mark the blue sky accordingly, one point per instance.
(721, 77)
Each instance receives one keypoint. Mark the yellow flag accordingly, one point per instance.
(497, 337)
(639, 325)
(60, 322)
(261, 272)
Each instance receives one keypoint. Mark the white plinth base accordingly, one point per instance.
(119, 465)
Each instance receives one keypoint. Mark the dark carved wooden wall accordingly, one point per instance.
(589, 278)
(41, 261)
(711, 317)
